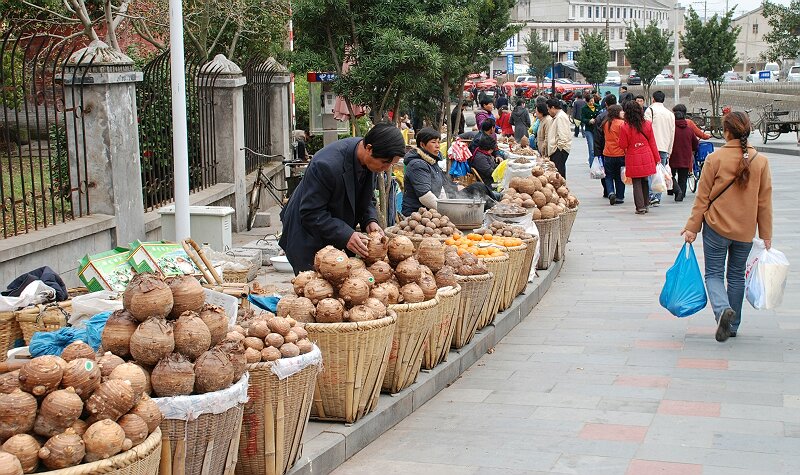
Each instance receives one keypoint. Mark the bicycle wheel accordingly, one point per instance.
(762, 129)
(255, 201)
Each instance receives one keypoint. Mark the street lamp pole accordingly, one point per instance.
(554, 51)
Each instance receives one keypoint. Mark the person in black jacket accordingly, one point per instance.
(484, 152)
(520, 120)
(456, 118)
(336, 194)
(423, 178)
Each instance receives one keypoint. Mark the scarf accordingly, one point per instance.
(427, 156)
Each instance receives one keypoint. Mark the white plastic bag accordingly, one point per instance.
(667, 173)
(657, 182)
(597, 170)
(86, 306)
(765, 276)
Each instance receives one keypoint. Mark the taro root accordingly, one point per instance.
(381, 271)
(192, 337)
(412, 293)
(258, 329)
(376, 306)
(290, 337)
(392, 290)
(300, 281)
(399, 249)
(360, 313)
(147, 295)
(235, 336)
(173, 376)
(284, 305)
(26, 448)
(83, 375)
(235, 351)
(275, 339)
(117, 333)
(378, 246)
(289, 350)
(381, 294)
(148, 410)
(135, 428)
(9, 382)
(252, 355)
(354, 291)
(41, 375)
(330, 311)
(17, 413)
(318, 289)
(299, 331)
(77, 349)
(300, 308)
(365, 275)
(304, 346)
(63, 450)
(153, 340)
(107, 363)
(319, 255)
(356, 264)
(279, 325)
(408, 271)
(334, 266)
(79, 427)
(270, 353)
(428, 286)
(104, 439)
(10, 464)
(133, 374)
(254, 343)
(446, 277)
(59, 410)
(431, 253)
(213, 371)
(187, 295)
(216, 320)
(111, 400)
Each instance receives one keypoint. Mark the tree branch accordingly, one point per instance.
(141, 28)
(111, 32)
(121, 14)
(232, 46)
(219, 34)
(79, 9)
(193, 39)
(49, 12)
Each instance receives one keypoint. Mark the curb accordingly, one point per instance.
(765, 148)
(327, 445)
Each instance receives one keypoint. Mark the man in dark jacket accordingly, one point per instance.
(485, 112)
(458, 119)
(520, 120)
(336, 194)
(484, 153)
(624, 96)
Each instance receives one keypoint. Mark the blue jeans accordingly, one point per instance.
(664, 160)
(716, 249)
(589, 134)
(613, 180)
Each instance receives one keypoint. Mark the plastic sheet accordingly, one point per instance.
(526, 222)
(265, 302)
(285, 367)
(34, 293)
(88, 305)
(189, 408)
(94, 329)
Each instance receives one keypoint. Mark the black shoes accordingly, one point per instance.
(612, 199)
(679, 196)
(724, 325)
(732, 335)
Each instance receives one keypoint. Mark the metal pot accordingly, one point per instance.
(463, 213)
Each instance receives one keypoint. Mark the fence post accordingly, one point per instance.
(280, 113)
(227, 120)
(101, 82)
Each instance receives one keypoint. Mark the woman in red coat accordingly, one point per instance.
(641, 153)
(683, 149)
(504, 122)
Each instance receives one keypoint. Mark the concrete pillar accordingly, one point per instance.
(226, 89)
(280, 113)
(101, 82)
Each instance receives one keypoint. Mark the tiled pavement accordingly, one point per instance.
(599, 379)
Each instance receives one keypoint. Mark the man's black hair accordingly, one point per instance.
(610, 99)
(541, 107)
(488, 124)
(553, 103)
(639, 96)
(386, 140)
(486, 100)
(623, 87)
(659, 96)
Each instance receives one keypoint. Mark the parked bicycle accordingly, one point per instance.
(711, 124)
(263, 181)
(772, 122)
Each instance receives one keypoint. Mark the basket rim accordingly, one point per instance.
(409, 307)
(548, 220)
(131, 456)
(448, 291)
(473, 278)
(502, 258)
(349, 327)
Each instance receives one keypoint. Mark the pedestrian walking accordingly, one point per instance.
(577, 108)
(504, 122)
(683, 149)
(641, 153)
(663, 121)
(588, 118)
(734, 197)
(520, 120)
(544, 121)
(559, 136)
(695, 129)
(624, 95)
(485, 111)
(613, 154)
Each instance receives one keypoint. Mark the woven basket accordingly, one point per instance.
(516, 262)
(10, 332)
(549, 235)
(354, 358)
(565, 229)
(438, 344)
(208, 444)
(527, 264)
(499, 267)
(140, 460)
(414, 322)
(475, 290)
(274, 419)
(43, 318)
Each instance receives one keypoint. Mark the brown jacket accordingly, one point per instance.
(738, 210)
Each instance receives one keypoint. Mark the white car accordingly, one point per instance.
(525, 79)
(794, 74)
(732, 77)
(692, 80)
(613, 77)
(662, 80)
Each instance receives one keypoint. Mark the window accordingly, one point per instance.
(613, 34)
(618, 12)
(755, 28)
(544, 34)
(590, 12)
(611, 12)
(605, 12)
(581, 11)
(597, 12)
(573, 11)
(624, 15)
(566, 34)
(555, 34)
(576, 35)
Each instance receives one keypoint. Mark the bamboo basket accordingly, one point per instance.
(475, 289)
(567, 219)
(516, 262)
(498, 266)
(549, 235)
(527, 264)
(274, 419)
(438, 344)
(43, 318)
(414, 323)
(355, 356)
(10, 332)
(140, 460)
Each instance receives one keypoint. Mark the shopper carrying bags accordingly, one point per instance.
(641, 154)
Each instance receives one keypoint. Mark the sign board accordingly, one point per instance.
(570, 55)
(764, 75)
(320, 77)
(511, 45)
(510, 63)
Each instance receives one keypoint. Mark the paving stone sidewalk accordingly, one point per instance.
(599, 379)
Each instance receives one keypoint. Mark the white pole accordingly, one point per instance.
(291, 82)
(180, 147)
(676, 88)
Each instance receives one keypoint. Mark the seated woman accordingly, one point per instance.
(485, 152)
(424, 178)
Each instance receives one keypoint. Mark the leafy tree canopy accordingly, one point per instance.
(540, 58)
(784, 37)
(648, 50)
(594, 57)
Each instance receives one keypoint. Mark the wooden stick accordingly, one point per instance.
(199, 264)
(208, 264)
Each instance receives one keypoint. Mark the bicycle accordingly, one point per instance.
(773, 122)
(262, 181)
(703, 150)
(708, 123)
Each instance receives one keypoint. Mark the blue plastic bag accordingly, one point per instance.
(95, 327)
(265, 302)
(458, 169)
(53, 343)
(684, 292)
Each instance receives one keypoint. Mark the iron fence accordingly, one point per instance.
(43, 167)
(154, 109)
(259, 72)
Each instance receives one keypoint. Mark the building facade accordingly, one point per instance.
(750, 44)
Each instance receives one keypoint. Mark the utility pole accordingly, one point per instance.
(608, 13)
(676, 88)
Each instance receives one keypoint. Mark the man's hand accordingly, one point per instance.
(375, 227)
(688, 236)
(358, 244)
(768, 243)
(591, 121)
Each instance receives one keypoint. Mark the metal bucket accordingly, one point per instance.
(464, 213)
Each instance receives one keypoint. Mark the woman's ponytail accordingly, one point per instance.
(737, 124)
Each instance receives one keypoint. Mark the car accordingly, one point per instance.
(525, 79)
(613, 77)
(692, 80)
(688, 72)
(667, 73)
(662, 80)
(794, 74)
(633, 78)
(564, 81)
(732, 77)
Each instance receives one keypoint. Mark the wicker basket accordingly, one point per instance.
(355, 356)
(498, 266)
(438, 344)
(140, 460)
(414, 322)
(274, 419)
(10, 332)
(516, 262)
(208, 444)
(549, 235)
(565, 228)
(475, 289)
(43, 318)
(527, 264)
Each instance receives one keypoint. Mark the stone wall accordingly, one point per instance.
(747, 96)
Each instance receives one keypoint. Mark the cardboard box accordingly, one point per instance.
(165, 257)
(108, 270)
